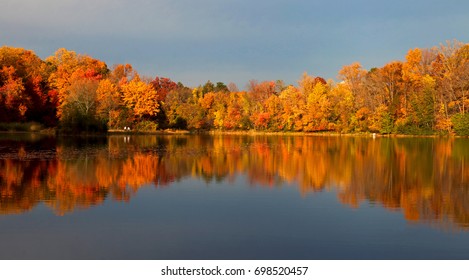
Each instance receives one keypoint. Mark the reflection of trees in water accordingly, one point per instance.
(425, 177)
(421, 176)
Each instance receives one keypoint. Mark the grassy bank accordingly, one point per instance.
(33, 127)
(325, 133)
(152, 132)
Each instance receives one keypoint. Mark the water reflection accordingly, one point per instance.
(425, 178)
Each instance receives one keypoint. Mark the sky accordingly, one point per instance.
(192, 41)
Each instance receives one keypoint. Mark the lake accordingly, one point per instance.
(233, 197)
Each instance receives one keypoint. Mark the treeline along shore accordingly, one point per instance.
(425, 94)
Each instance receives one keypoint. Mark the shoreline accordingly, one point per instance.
(53, 132)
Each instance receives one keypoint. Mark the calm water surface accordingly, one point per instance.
(233, 197)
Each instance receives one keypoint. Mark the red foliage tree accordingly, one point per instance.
(163, 86)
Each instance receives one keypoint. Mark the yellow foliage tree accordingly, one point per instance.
(140, 97)
(109, 99)
(317, 109)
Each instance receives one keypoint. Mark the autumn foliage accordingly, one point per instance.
(381, 171)
(427, 93)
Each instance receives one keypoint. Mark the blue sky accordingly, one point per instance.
(234, 40)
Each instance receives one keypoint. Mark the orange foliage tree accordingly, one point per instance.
(140, 97)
